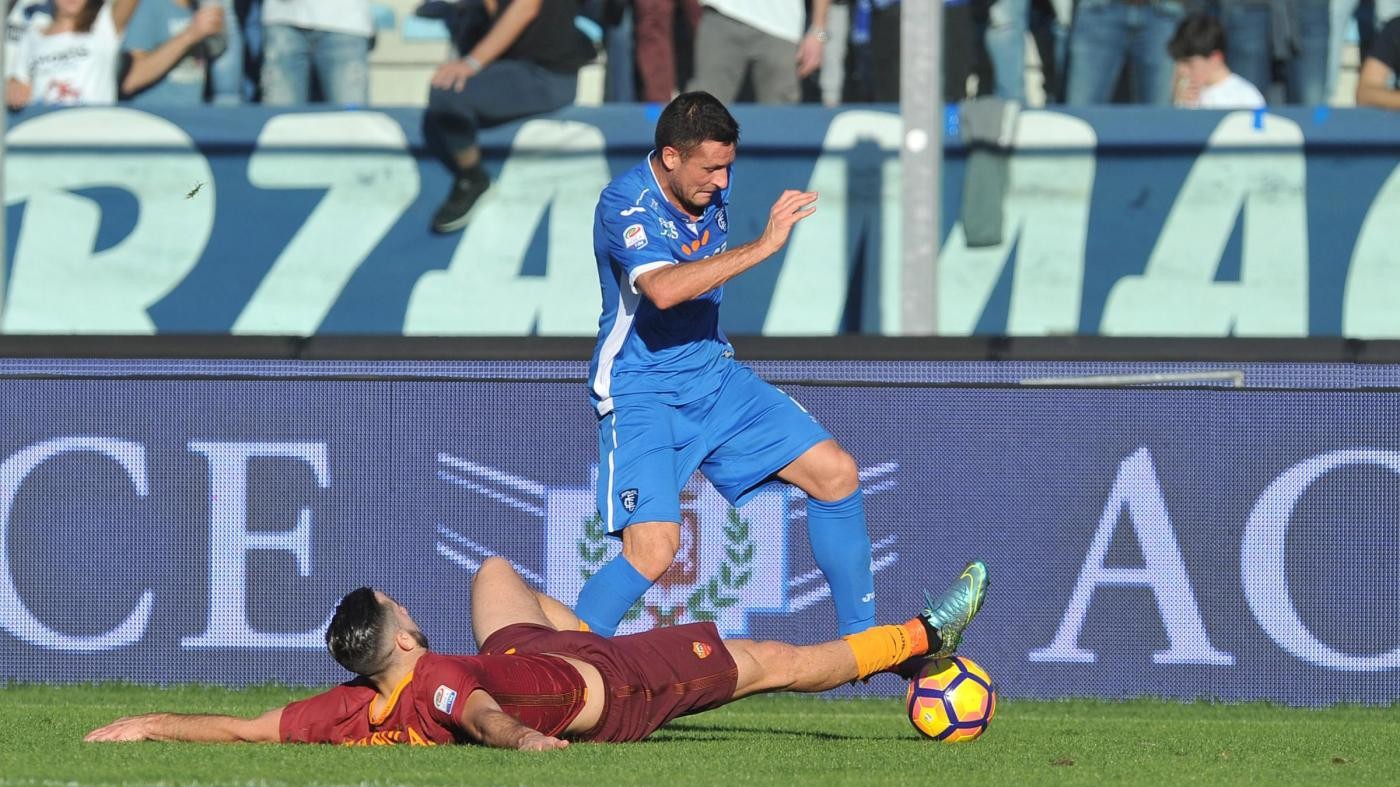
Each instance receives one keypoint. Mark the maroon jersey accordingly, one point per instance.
(542, 692)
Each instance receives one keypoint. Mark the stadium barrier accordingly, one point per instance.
(180, 520)
(1117, 222)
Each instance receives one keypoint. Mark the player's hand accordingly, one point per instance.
(130, 728)
(207, 21)
(792, 207)
(18, 94)
(453, 75)
(538, 741)
(809, 54)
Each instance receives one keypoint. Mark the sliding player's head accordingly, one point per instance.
(369, 629)
(696, 139)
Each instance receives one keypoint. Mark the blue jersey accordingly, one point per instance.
(674, 354)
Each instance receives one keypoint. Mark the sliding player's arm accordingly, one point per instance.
(484, 722)
(192, 728)
(672, 285)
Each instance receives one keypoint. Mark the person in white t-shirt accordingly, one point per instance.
(1203, 77)
(763, 40)
(72, 60)
(328, 37)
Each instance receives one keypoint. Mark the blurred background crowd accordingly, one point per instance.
(386, 52)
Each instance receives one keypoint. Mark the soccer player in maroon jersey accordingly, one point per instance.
(540, 682)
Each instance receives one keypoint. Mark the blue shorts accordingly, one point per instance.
(739, 437)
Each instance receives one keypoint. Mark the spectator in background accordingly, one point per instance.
(832, 74)
(1377, 85)
(656, 51)
(73, 59)
(1203, 78)
(521, 58)
(170, 44)
(1106, 34)
(226, 72)
(1004, 34)
(1343, 12)
(329, 38)
(875, 37)
(23, 15)
(1286, 37)
(762, 40)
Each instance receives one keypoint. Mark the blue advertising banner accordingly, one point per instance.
(1114, 221)
(199, 525)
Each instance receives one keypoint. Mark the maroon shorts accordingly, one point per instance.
(649, 678)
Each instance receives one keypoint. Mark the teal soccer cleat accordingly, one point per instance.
(951, 613)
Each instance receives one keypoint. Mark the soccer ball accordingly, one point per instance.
(951, 700)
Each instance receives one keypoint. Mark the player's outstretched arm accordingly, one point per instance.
(487, 724)
(675, 284)
(191, 728)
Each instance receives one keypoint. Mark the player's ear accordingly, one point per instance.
(403, 640)
(670, 157)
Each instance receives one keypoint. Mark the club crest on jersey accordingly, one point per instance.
(701, 649)
(634, 237)
(722, 219)
(629, 500)
(444, 698)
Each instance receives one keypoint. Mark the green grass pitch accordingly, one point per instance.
(765, 740)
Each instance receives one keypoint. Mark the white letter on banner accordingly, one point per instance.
(1138, 487)
(230, 540)
(556, 166)
(1368, 308)
(1264, 569)
(1177, 295)
(370, 180)
(1050, 188)
(810, 294)
(58, 283)
(14, 616)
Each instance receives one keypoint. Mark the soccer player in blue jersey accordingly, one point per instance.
(669, 394)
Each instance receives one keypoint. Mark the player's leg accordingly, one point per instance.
(642, 448)
(762, 433)
(501, 598)
(837, 530)
(935, 631)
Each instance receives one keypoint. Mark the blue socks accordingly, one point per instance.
(608, 594)
(841, 547)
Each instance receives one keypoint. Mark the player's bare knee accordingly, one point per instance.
(840, 477)
(492, 568)
(653, 554)
(778, 661)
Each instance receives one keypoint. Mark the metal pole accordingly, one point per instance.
(921, 159)
(4, 150)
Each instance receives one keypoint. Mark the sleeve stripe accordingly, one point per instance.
(643, 268)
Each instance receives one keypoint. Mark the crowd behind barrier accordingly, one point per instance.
(283, 52)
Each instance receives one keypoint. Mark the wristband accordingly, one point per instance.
(473, 63)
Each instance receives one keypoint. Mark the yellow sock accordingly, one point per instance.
(879, 648)
(583, 626)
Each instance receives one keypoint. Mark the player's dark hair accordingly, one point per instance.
(692, 119)
(356, 636)
(1198, 35)
(87, 17)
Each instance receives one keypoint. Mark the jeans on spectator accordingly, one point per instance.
(505, 90)
(1342, 13)
(341, 62)
(620, 85)
(226, 72)
(656, 50)
(1007, 23)
(1105, 34)
(1249, 32)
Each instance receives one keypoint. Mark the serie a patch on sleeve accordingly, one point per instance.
(444, 699)
(635, 237)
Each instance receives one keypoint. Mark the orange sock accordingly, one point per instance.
(582, 626)
(918, 636)
(878, 648)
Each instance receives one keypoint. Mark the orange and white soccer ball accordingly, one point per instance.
(951, 700)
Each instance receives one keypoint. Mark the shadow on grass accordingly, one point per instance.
(721, 732)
